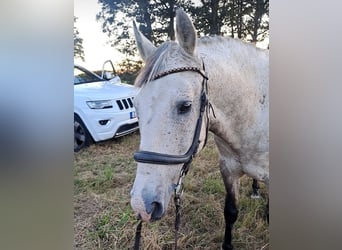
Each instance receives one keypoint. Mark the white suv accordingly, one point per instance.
(103, 107)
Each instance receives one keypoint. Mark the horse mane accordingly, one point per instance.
(227, 41)
(164, 56)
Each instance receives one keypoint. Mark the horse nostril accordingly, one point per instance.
(157, 211)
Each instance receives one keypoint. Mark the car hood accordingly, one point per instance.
(104, 90)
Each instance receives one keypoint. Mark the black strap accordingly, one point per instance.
(166, 159)
(177, 220)
(137, 236)
(186, 159)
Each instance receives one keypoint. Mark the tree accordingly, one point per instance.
(257, 24)
(248, 19)
(129, 69)
(116, 17)
(78, 43)
(244, 19)
(209, 16)
(155, 19)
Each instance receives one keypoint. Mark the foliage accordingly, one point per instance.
(256, 20)
(155, 20)
(129, 69)
(210, 16)
(244, 19)
(78, 43)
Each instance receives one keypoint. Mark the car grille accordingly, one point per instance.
(127, 127)
(125, 103)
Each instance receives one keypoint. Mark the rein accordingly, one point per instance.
(186, 159)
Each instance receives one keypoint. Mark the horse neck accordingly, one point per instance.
(227, 58)
(238, 82)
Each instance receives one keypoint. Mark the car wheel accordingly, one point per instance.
(82, 137)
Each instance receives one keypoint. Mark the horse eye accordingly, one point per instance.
(184, 107)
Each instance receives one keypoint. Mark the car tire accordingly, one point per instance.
(82, 136)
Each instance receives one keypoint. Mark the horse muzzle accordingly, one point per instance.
(149, 200)
(148, 211)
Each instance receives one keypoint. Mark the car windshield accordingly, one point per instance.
(84, 76)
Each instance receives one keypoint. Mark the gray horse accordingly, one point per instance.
(188, 87)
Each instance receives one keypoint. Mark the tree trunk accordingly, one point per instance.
(144, 4)
(259, 11)
(171, 31)
(239, 19)
(215, 25)
(232, 17)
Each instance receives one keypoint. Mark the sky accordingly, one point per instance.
(95, 45)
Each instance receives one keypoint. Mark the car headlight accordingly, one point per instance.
(105, 104)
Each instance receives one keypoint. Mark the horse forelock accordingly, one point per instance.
(169, 55)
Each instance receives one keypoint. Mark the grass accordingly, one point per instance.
(103, 219)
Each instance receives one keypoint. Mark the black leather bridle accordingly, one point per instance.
(166, 159)
(186, 159)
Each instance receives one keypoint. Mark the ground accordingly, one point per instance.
(103, 219)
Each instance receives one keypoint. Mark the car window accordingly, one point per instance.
(81, 76)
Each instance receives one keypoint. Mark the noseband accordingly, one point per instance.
(167, 159)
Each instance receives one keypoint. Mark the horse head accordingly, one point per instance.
(171, 99)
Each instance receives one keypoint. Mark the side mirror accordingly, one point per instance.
(108, 75)
(115, 80)
(108, 70)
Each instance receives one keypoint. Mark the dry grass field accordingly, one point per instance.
(103, 219)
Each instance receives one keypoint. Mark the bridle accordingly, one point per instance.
(166, 159)
(185, 159)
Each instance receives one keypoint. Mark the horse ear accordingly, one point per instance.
(145, 47)
(185, 32)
